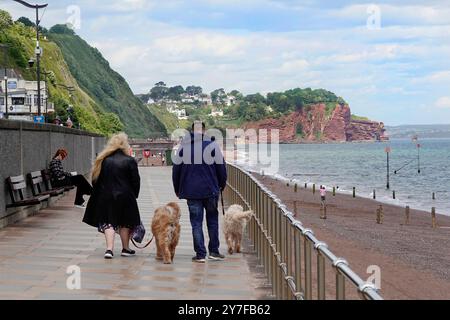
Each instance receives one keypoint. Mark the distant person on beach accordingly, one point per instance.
(60, 178)
(323, 193)
(199, 175)
(113, 206)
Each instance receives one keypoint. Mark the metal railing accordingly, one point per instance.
(285, 248)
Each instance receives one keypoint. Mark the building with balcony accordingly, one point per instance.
(23, 99)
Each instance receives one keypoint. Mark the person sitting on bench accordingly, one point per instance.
(60, 178)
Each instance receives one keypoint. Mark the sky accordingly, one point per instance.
(388, 59)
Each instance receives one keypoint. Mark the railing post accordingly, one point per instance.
(320, 276)
(278, 276)
(340, 279)
(340, 285)
(308, 275)
(298, 260)
(274, 270)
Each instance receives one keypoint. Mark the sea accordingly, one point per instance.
(417, 169)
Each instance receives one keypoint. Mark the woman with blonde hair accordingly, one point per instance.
(112, 207)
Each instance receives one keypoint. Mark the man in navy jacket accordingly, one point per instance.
(199, 175)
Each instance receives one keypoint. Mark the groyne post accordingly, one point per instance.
(306, 185)
(393, 194)
(407, 215)
(334, 191)
(434, 196)
(374, 194)
(433, 217)
(354, 192)
(295, 187)
(380, 214)
(314, 188)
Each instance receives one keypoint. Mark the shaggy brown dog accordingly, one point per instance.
(166, 230)
(234, 223)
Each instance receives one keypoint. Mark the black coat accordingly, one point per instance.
(113, 200)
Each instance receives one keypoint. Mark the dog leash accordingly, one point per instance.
(223, 207)
(134, 243)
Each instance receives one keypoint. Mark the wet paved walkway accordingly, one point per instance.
(36, 252)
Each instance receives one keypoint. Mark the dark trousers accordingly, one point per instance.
(196, 209)
(83, 188)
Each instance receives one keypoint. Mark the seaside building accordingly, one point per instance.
(216, 113)
(180, 113)
(22, 99)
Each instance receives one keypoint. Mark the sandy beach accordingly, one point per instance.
(414, 259)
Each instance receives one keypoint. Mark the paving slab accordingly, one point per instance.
(35, 255)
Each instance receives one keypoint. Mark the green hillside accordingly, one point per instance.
(21, 42)
(108, 88)
(102, 101)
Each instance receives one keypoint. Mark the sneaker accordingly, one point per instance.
(216, 256)
(128, 253)
(198, 260)
(109, 254)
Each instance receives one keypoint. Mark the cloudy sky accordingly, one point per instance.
(388, 59)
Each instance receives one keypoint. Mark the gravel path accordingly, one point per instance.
(414, 259)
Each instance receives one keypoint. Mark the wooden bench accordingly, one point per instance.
(17, 189)
(35, 179)
(46, 177)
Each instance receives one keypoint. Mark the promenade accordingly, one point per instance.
(36, 252)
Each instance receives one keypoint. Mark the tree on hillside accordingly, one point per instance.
(27, 22)
(255, 98)
(237, 94)
(194, 90)
(160, 84)
(218, 96)
(174, 93)
(158, 93)
(5, 20)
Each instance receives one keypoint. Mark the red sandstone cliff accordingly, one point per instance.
(313, 124)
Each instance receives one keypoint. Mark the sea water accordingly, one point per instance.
(364, 166)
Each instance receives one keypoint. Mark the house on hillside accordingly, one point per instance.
(22, 99)
(205, 99)
(180, 113)
(215, 113)
(230, 100)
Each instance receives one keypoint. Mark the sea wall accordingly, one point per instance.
(26, 147)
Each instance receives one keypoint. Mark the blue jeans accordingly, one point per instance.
(196, 209)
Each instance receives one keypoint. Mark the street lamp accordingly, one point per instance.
(387, 150)
(38, 50)
(4, 48)
(418, 157)
(47, 92)
(6, 96)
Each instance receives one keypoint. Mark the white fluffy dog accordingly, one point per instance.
(234, 223)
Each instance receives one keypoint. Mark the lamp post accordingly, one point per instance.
(418, 158)
(47, 92)
(4, 48)
(38, 49)
(387, 150)
(6, 95)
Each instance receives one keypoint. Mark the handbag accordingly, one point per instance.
(138, 233)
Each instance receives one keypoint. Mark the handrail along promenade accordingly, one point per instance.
(285, 248)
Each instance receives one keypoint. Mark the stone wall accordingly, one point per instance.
(26, 147)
